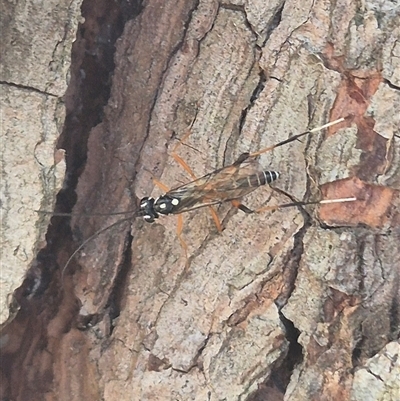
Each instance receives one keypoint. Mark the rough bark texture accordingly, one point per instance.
(295, 304)
(35, 59)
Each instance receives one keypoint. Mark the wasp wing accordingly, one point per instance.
(228, 183)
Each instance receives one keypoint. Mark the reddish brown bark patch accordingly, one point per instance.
(353, 99)
(336, 303)
(357, 87)
(374, 158)
(376, 206)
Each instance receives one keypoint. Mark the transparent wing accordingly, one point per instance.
(222, 185)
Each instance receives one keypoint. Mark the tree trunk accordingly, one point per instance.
(298, 303)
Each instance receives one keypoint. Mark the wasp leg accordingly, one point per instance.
(180, 161)
(242, 207)
(185, 166)
(177, 158)
(160, 185)
(216, 219)
(245, 209)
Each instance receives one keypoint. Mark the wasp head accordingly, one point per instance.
(147, 209)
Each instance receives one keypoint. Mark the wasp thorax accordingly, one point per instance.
(165, 204)
(151, 208)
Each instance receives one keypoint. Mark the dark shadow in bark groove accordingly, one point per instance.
(40, 297)
(274, 388)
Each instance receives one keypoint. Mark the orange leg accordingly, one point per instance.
(160, 185)
(178, 159)
(186, 167)
(183, 164)
(179, 226)
(215, 218)
(242, 207)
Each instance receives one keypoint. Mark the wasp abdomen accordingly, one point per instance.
(259, 179)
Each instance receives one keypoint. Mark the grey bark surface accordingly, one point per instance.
(35, 60)
(294, 304)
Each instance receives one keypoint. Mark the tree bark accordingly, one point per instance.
(294, 304)
(35, 61)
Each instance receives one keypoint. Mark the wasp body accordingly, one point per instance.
(226, 184)
(229, 183)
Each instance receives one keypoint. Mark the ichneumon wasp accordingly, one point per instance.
(229, 183)
(226, 184)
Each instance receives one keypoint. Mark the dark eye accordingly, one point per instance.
(144, 202)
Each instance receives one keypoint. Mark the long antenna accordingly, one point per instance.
(295, 137)
(55, 214)
(291, 139)
(136, 214)
(90, 238)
